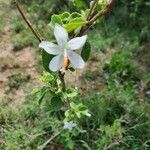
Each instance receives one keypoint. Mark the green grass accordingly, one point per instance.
(116, 114)
(16, 80)
(2, 23)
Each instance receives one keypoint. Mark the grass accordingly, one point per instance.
(2, 23)
(16, 80)
(115, 115)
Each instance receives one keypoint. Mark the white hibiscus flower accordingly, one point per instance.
(64, 50)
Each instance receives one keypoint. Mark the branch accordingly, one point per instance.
(61, 76)
(48, 141)
(102, 13)
(27, 21)
(99, 14)
(92, 9)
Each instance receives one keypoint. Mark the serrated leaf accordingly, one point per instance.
(71, 94)
(56, 19)
(74, 16)
(46, 58)
(56, 103)
(65, 15)
(74, 24)
(86, 50)
(80, 4)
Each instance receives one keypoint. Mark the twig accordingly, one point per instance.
(92, 8)
(48, 141)
(102, 13)
(111, 145)
(27, 21)
(94, 18)
(61, 76)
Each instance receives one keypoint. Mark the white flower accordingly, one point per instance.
(69, 125)
(64, 49)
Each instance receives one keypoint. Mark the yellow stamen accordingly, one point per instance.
(66, 60)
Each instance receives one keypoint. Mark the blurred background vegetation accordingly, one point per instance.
(115, 85)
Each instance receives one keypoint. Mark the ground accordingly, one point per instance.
(15, 63)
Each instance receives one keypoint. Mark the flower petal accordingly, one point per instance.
(69, 125)
(56, 63)
(61, 35)
(75, 59)
(50, 47)
(77, 42)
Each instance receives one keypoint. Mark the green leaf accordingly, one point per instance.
(75, 15)
(65, 17)
(70, 144)
(101, 5)
(46, 58)
(74, 24)
(85, 53)
(56, 103)
(36, 90)
(71, 69)
(42, 94)
(47, 77)
(56, 19)
(85, 144)
(80, 4)
(71, 93)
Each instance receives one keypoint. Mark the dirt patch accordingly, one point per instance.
(23, 61)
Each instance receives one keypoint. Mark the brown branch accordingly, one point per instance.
(27, 21)
(61, 76)
(92, 9)
(104, 12)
